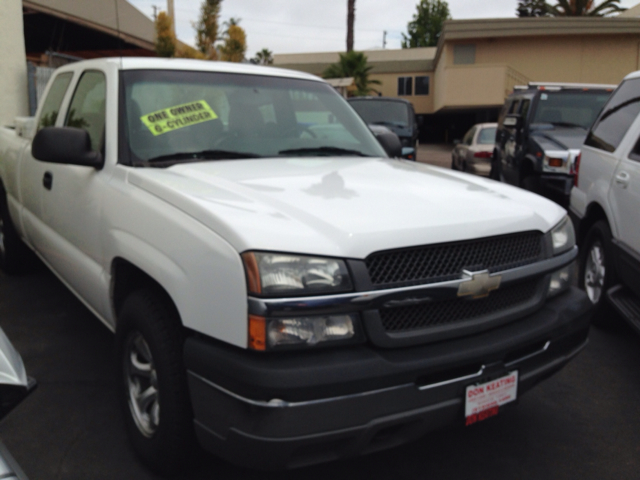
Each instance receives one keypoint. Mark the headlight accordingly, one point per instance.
(269, 333)
(561, 280)
(277, 274)
(563, 237)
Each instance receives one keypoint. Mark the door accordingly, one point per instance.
(72, 198)
(32, 171)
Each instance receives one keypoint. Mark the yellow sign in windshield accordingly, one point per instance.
(180, 116)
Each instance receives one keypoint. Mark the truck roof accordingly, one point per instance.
(147, 63)
(563, 86)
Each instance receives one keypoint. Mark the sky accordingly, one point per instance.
(297, 26)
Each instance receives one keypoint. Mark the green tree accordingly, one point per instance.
(207, 28)
(532, 8)
(351, 19)
(581, 8)
(165, 38)
(353, 64)
(235, 42)
(263, 57)
(424, 30)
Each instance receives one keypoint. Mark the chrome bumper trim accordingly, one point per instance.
(278, 403)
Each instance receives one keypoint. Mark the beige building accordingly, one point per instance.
(466, 78)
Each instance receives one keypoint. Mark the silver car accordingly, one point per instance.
(473, 153)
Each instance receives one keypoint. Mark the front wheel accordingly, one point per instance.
(152, 379)
(597, 272)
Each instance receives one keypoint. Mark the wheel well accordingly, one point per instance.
(594, 213)
(126, 278)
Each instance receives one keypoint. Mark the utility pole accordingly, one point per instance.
(171, 12)
(155, 12)
(384, 39)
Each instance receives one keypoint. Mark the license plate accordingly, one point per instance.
(484, 400)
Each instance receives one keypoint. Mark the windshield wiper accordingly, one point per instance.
(567, 124)
(395, 124)
(203, 155)
(323, 151)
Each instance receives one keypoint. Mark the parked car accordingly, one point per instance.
(605, 203)
(540, 131)
(473, 154)
(396, 114)
(15, 385)
(280, 289)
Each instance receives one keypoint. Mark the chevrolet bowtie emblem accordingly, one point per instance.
(479, 284)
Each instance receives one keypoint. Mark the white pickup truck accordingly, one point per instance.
(279, 288)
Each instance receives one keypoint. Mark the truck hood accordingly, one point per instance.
(345, 207)
(560, 138)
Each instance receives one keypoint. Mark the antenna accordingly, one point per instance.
(118, 29)
(384, 39)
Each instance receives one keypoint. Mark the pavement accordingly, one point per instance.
(435, 154)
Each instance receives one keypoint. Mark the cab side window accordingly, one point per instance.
(88, 107)
(617, 116)
(51, 105)
(468, 138)
(524, 108)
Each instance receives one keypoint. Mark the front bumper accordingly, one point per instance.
(291, 409)
(557, 187)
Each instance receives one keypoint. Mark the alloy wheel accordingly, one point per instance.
(141, 381)
(594, 272)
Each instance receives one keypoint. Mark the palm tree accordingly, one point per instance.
(263, 57)
(351, 18)
(580, 8)
(353, 64)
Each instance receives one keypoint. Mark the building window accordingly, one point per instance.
(422, 85)
(464, 54)
(405, 86)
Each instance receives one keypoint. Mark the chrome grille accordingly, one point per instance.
(442, 262)
(447, 312)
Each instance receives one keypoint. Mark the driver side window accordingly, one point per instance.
(88, 107)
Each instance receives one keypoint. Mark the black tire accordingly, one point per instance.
(597, 247)
(14, 254)
(453, 163)
(164, 438)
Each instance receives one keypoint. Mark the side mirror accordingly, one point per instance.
(67, 145)
(389, 140)
(513, 121)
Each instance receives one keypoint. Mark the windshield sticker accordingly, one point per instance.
(180, 116)
(544, 96)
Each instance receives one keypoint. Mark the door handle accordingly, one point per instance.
(47, 180)
(623, 179)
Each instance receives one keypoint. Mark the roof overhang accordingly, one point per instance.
(132, 39)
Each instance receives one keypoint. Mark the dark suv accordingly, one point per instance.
(394, 113)
(540, 131)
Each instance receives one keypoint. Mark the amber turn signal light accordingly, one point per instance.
(257, 333)
(253, 273)
(555, 162)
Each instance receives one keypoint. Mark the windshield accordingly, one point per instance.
(192, 116)
(487, 136)
(573, 108)
(381, 112)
